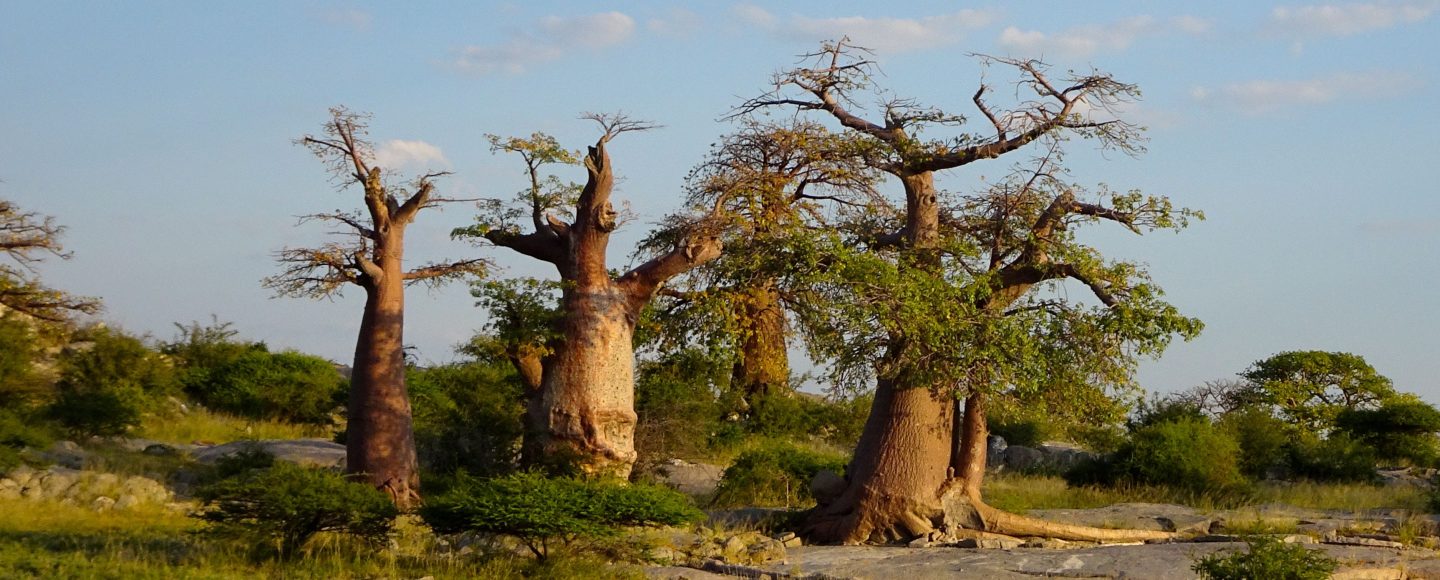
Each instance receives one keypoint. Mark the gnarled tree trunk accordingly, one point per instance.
(763, 368)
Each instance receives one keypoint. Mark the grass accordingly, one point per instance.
(1021, 493)
(52, 540)
(211, 427)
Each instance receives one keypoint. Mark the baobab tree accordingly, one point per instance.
(770, 183)
(587, 388)
(26, 239)
(380, 441)
(938, 316)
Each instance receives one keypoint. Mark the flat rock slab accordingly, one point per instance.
(1150, 562)
(1159, 517)
(307, 452)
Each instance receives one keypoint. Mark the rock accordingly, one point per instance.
(21, 475)
(795, 542)
(665, 555)
(689, 478)
(1297, 539)
(67, 454)
(679, 573)
(733, 549)
(102, 504)
(826, 486)
(995, 451)
(307, 452)
(1139, 516)
(160, 450)
(1358, 541)
(1022, 458)
(127, 502)
(990, 542)
(920, 542)
(9, 489)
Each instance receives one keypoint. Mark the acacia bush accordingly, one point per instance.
(1265, 440)
(258, 384)
(1339, 458)
(1401, 430)
(466, 416)
(106, 385)
(774, 473)
(541, 511)
(289, 504)
(1186, 452)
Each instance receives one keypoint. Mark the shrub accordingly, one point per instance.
(17, 433)
(539, 510)
(1401, 430)
(677, 405)
(466, 416)
(1187, 453)
(20, 385)
(1338, 457)
(290, 504)
(104, 389)
(261, 385)
(774, 473)
(1269, 558)
(1264, 439)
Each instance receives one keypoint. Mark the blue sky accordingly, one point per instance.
(161, 134)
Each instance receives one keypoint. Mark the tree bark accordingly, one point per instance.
(763, 368)
(588, 392)
(530, 365)
(380, 441)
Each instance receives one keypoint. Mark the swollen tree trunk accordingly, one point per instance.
(763, 368)
(585, 411)
(380, 441)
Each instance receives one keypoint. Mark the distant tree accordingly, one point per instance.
(588, 383)
(1311, 388)
(522, 329)
(1400, 429)
(27, 238)
(380, 441)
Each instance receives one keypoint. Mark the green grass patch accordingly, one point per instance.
(208, 426)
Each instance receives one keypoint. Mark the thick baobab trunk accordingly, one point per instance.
(380, 442)
(764, 365)
(589, 385)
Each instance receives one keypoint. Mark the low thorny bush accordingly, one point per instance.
(1269, 558)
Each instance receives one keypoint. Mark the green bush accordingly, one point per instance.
(1267, 558)
(289, 385)
(1338, 457)
(1401, 430)
(776, 473)
(105, 388)
(290, 504)
(540, 511)
(1264, 439)
(678, 408)
(466, 416)
(1187, 453)
(20, 385)
(16, 433)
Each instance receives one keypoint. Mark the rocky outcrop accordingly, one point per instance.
(1049, 457)
(100, 491)
(306, 452)
(698, 479)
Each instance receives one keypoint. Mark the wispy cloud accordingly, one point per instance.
(410, 155)
(1084, 41)
(1266, 96)
(1348, 19)
(678, 23)
(355, 19)
(887, 35)
(552, 38)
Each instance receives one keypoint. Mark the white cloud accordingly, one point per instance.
(1348, 19)
(413, 155)
(1265, 96)
(887, 35)
(1083, 41)
(679, 23)
(358, 20)
(1192, 24)
(553, 37)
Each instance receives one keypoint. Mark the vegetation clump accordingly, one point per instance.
(543, 512)
(774, 473)
(289, 504)
(1267, 557)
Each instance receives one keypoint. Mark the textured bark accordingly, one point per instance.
(588, 394)
(764, 365)
(530, 365)
(380, 441)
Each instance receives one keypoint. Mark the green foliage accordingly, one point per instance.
(1269, 558)
(1311, 388)
(774, 473)
(678, 406)
(466, 416)
(539, 510)
(289, 385)
(290, 504)
(105, 388)
(20, 384)
(17, 432)
(1338, 457)
(1186, 452)
(1156, 411)
(1400, 430)
(1264, 439)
